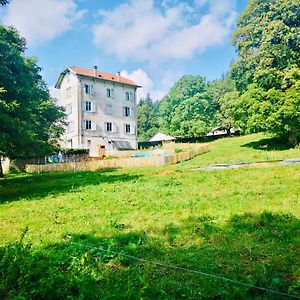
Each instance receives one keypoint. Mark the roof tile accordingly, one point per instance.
(102, 75)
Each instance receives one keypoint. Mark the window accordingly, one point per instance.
(128, 96)
(109, 109)
(109, 93)
(127, 128)
(89, 106)
(108, 126)
(89, 125)
(88, 89)
(127, 111)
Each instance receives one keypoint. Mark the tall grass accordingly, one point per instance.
(242, 224)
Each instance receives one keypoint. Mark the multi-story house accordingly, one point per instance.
(100, 108)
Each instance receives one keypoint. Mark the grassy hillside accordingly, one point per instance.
(242, 224)
(249, 148)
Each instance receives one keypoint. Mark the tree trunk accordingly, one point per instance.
(1, 169)
(292, 139)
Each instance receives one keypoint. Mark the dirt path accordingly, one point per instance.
(250, 164)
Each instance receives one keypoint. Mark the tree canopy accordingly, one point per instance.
(187, 109)
(30, 121)
(267, 71)
(147, 118)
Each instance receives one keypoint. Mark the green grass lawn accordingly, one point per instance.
(242, 224)
(249, 148)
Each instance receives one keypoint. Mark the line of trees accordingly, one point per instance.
(260, 93)
(30, 121)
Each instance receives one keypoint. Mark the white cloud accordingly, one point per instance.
(141, 31)
(41, 20)
(140, 77)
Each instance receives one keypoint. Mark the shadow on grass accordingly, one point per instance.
(256, 249)
(269, 144)
(41, 185)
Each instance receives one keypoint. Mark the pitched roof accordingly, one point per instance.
(91, 73)
(162, 137)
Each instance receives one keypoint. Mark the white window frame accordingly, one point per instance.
(128, 96)
(112, 127)
(86, 106)
(131, 129)
(127, 111)
(109, 93)
(126, 126)
(89, 89)
(89, 125)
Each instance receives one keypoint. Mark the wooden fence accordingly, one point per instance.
(169, 158)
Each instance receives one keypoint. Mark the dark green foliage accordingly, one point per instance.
(267, 41)
(29, 118)
(267, 71)
(147, 118)
(187, 110)
(256, 249)
(274, 111)
(224, 96)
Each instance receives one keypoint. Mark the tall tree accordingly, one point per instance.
(267, 69)
(224, 96)
(185, 88)
(194, 116)
(147, 121)
(30, 121)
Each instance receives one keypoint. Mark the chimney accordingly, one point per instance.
(119, 76)
(95, 71)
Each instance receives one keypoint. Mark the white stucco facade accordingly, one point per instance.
(101, 113)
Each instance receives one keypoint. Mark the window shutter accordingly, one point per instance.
(93, 106)
(83, 106)
(94, 126)
(114, 128)
(83, 125)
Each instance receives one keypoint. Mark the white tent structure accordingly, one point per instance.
(161, 137)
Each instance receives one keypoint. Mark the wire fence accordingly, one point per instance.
(198, 272)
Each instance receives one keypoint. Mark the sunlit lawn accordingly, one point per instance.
(242, 224)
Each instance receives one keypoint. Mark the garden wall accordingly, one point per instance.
(188, 152)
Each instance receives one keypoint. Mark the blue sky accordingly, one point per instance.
(153, 42)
